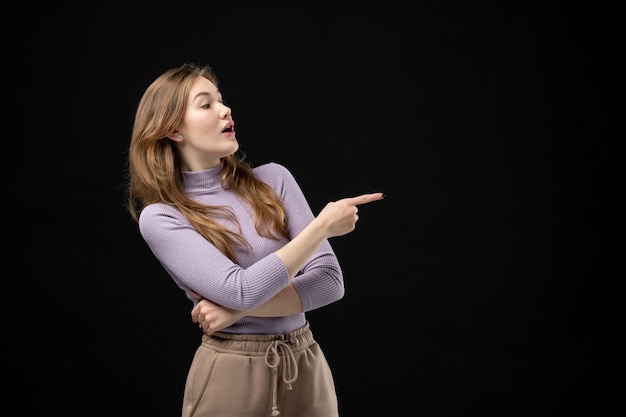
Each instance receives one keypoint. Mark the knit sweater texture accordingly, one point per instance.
(196, 264)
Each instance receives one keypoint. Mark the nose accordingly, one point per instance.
(225, 111)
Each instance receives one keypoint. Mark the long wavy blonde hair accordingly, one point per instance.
(154, 171)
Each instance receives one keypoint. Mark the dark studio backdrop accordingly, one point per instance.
(482, 284)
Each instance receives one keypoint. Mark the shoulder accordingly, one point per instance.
(273, 173)
(159, 210)
(278, 177)
(157, 215)
(271, 169)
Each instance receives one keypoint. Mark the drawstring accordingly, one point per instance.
(290, 367)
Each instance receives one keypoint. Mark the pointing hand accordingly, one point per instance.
(340, 217)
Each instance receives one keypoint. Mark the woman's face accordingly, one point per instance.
(207, 131)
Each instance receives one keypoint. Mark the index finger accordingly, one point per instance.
(365, 198)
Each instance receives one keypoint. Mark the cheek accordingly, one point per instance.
(201, 120)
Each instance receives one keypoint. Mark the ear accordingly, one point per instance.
(176, 136)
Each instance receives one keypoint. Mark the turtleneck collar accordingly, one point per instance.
(203, 182)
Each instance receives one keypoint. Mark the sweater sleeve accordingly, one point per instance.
(196, 264)
(320, 282)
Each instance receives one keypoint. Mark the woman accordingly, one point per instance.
(243, 245)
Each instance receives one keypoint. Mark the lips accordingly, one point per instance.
(229, 127)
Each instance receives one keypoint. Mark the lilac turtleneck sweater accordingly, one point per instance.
(194, 263)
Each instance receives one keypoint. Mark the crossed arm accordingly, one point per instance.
(337, 218)
(212, 317)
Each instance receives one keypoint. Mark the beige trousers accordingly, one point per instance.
(235, 375)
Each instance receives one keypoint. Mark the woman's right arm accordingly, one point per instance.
(336, 219)
(213, 317)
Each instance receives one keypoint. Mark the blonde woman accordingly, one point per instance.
(243, 245)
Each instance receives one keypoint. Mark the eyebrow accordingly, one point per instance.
(204, 93)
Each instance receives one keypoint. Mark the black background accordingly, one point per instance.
(486, 282)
